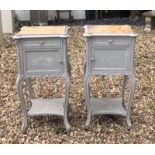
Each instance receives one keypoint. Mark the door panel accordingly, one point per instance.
(110, 58)
(42, 60)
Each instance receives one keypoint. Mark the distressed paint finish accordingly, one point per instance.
(109, 54)
(42, 56)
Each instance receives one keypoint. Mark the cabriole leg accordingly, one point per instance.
(67, 90)
(131, 95)
(28, 82)
(123, 88)
(87, 100)
(22, 101)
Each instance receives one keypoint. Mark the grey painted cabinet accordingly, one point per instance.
(109, 51)
(42, 52)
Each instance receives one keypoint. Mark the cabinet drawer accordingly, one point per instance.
(111, 41)
(110, 59)
(41, 43)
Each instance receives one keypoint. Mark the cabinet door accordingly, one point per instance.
(43, 61)
(110, 58)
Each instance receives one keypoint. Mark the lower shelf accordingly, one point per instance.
(47, 107)
(107, 106)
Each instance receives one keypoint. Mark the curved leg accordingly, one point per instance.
(131, 95)
(28, 82)
(123, 88)
(22, 101)
(87, 99)
(67, 90)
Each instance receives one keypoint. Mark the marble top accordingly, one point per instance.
(107, 28)
(42, 31)
(38, 30)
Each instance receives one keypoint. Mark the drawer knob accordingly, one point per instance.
(92, 59)
(41, 42)
(110, 41)
(60, 61)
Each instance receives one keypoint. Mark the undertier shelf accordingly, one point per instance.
(47, 107)
(107, 106)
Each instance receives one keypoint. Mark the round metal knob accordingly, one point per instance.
(60, 61)
(110, 41)
(92, 59)
(41, 42)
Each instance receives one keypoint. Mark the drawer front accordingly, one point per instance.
(41, 43)
(110, 41)
(114, 59)
(42, 60)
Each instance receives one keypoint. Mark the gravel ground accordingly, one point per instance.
(104, 129)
